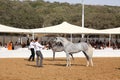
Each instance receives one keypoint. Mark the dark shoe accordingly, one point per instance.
(33, 60)
(40, 66)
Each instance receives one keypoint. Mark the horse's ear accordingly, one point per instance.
(58, 35)
(55, 38)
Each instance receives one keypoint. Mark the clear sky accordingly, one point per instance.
(91, 2)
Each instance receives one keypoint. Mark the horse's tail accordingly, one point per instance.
(89, 45)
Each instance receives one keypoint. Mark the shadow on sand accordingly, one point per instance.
(71, 65)
(64, 65)
(118, 68)
(31, 65)
(55, 59)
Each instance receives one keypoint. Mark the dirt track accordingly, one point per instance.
(21, 69)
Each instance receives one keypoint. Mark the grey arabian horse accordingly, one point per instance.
(71, 48)
(57, 47)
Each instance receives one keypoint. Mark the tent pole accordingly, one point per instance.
(82, 16)
(87, 38)
(33, 35)
(109, 40)
(3, 40)
(11, 37)
(71, 37)
(20, 38)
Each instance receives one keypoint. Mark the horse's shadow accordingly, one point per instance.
(65, 64)
(118, 68)
(55, 59)
(62, 65)
(31, 65)
(55, 64)
(71, 65)
(46, 64)
(78, 65)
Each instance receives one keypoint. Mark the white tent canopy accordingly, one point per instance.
(8, 29)
(61, 28)
(65, 28)
(111, 31)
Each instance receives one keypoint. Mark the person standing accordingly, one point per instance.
(31, 47)
(39, 58)
(9, 45)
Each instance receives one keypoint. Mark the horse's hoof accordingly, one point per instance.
(66, 65)
(87, 65)
(91, 65)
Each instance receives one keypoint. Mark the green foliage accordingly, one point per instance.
(35, 14)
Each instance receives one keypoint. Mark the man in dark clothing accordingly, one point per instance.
(32, 50)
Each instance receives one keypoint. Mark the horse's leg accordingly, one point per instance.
(91, 62)
(88, 63)
(72, 56)
(87, 57)
(68, 60)
(53, 55)
(90, 52)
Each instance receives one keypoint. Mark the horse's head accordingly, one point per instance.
(57, 39)
(60, 39)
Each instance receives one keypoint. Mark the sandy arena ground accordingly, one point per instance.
(21, 69)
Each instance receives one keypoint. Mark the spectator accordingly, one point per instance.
(9, 45)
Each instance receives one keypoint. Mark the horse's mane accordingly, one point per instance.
(63, 39)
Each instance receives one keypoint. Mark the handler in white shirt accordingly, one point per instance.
(38, 47)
